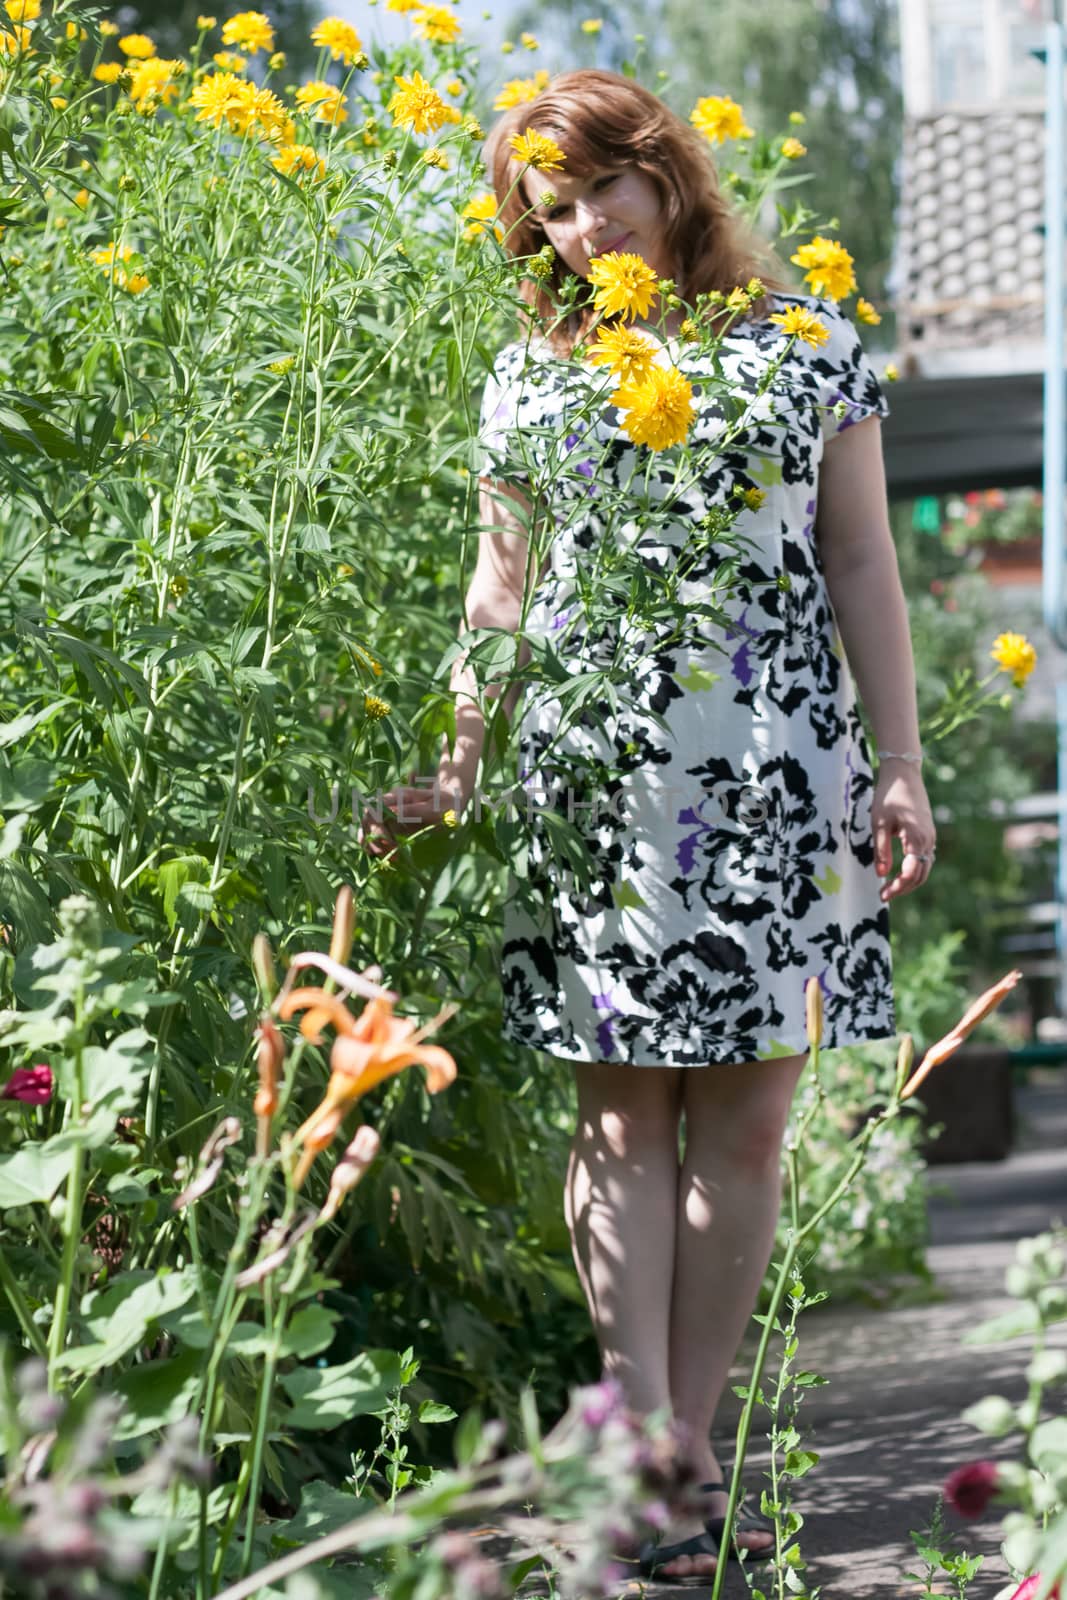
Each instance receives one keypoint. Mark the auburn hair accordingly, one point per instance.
(601, 119)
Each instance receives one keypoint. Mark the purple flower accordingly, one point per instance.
(601, 1402)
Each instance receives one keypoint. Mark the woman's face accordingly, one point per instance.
(610, 208)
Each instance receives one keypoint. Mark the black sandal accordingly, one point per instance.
(653, 1556)
(747, 1522)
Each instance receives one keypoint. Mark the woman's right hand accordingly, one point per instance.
(405, 810)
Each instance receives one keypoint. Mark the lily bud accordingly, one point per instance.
(263, 966)
(344, 926)
(351, 1169)
(814, 1011)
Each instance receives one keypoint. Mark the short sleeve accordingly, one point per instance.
(498, 421)
(847, 376)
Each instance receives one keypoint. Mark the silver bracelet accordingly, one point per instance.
(900, 755)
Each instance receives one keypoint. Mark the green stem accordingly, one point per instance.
(72, 1220)
(9, 1284)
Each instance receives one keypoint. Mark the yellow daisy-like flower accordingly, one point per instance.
(803, 324)
(74, 32)
(752, 498)
(295, 159)
(23, 10)
(592, 24)
(403, 5)
(136, 283)
(249, 30)
(438, 24)
(137, 45)
(108, 28)
(204, 24)
(339, 38)
(481, 213)
(81, 199)
(892, 372)
(416, 104)
(454, 87)
(152, 83)
(529, 41)
(17, 41)
(327, 101)
(628, 353)
(1014, 653)
(375, 707)
(436, 157)
(538, 150)
(625, 284)
(230, 61)
(865, 312)
(224, 97)
(792, 149)
(718, 117)
(828, 267)
(111, 259)
(108, 71)
(517, 91)
(60, 103)
(659, 410)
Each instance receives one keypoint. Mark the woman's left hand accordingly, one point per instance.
(900, 809)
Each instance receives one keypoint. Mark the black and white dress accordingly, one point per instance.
(692, 715)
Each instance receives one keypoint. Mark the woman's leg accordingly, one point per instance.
(621, 1198)
(729, 1193)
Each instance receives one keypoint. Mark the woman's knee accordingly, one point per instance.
(741, 1121)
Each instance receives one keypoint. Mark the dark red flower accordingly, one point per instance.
(34, 1086)
(969, 1489)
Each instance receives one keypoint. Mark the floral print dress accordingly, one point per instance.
(697, 782)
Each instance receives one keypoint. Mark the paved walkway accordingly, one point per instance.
(887, 1425)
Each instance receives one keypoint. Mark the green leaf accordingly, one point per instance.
(323, 1509)
(799, 1462)
(158, 1392)
(1048, 1446)
(324, 1397)
(119, 1317)
(32, 1174)
(435, 1411)
(15, 732)
(1023, 1318)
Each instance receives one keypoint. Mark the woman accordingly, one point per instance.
(748, 854)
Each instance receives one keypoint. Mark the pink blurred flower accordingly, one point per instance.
(34, 1086)
(1029, 1587)
(969, 1489)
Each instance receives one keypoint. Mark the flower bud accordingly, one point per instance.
(814, 1011)
(263, 966)
(344, 926)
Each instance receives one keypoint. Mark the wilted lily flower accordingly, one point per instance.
(210, 1161)
(974, 1014)
(366, 1050)
(351, 1169)
(34, 1086)
(270, 1057)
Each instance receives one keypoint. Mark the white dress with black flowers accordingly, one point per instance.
(714, 768)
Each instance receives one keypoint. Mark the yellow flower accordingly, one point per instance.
(592, 24)
(204, 24)
(1014, 653)
(230, 61)
(224, 97)
(659, 410)
(137, 45)
(803, 324)
(19, 39)
(277, 61)
(828, 267)
(507, 47)
(892, 372)
(416, 104)
(719, 117)
(339, 38)
(249, 30)
(865, 312)
(111, 259)
(152, 83)
(625, 284)
(294, 159)
(438, 24)
(537, 150)
(328, 102)
(109, 29)
(108, 71)
(517, 91)
(797, 118)
(449, 818)
(81, 199)
(528, 41)
(628, 353)
(283, 365)
(403, 5)
(375, 707)
(23, 10)
(454, 86)
(792, 149)
(73, 31)
(59, 101)
(481, 211)
(435, 157)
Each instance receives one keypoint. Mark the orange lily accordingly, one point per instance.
(974, 1014)
(366, 1050)
(270, 1058)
